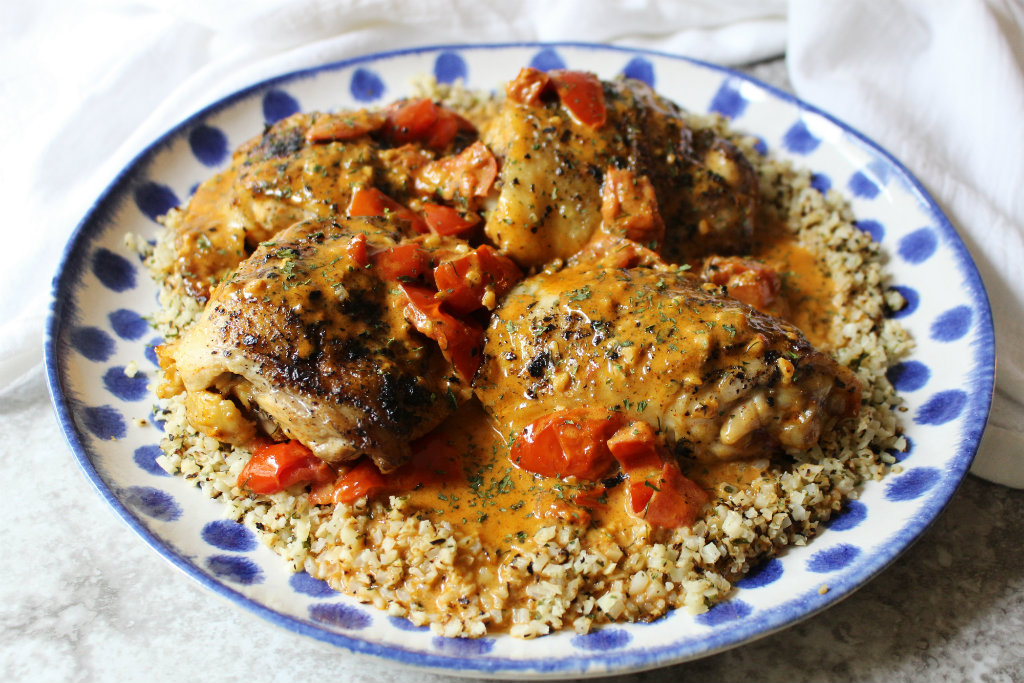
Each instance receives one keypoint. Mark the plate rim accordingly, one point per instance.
(62, 311)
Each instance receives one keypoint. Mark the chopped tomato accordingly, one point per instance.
(345, 126)
(362, 480)
(356, 250)
(276, 466)
(433, 461)
(407, 261)
(461, 341)
(444, 220)
(567, 443)
(468, 174)
(636, 447)
(463, 283)
(528, 86)
(617, 252)
(675, 500)
(582, 94)
(752, 282)
(423, 121)
(369, 201)
(629, 207)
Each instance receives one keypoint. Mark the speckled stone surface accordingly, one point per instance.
(82, 598)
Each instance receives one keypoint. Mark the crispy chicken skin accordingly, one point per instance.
(287, 174)
(721, 380)
(307, 342)
(563, 181)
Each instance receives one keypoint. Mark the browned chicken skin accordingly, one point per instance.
(307, 338)
(718, 378)
(555, 175)
(283, 176)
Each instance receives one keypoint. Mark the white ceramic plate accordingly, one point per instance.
(102, 293)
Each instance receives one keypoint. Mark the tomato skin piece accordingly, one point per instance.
(347, 126)
(407, 261)
(433, 462)
(528, 87)
(678, 500)
(356, 250)
(421, 120)
(468, 175)
(567, 443)
(444, 220)
(582, 94)
(362, 480)
(462, 283)
(636, 447)
(275, 467)
(461, 341)
(369, 201)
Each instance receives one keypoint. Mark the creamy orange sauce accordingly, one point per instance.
(805, 287)
(503, 505)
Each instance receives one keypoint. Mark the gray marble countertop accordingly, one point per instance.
(82, 598)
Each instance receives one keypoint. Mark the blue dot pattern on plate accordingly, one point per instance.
(912, 484)
(942, 407)
(728, 101)
(861, 185)
(229, 535)
(799, 139)
(234, 568)
(640, 69)
(93, 343)
(547, 60)
(450, 67)
(404, 624)
(912, 298)
(157, 420)
(909, 375)
(822, 183)
(905, 453)
(128, 324)
(853, 513)
(724, 612)
(342, 616)
(918, 246)
(277, 105)
(762, 575)
(953, 324)
(301, 582)
(366, 86)
(145, 457)
(152, 503)
(154, 199)
(150, 351)
(873, 228)
(603, 640)
(114, 271)
(833, 559)
(209, 145)
(104, 422)
(761, 147)
(126, 388)
(463, 647)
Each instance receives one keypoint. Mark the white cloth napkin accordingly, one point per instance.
(941, 86)
(85, 86)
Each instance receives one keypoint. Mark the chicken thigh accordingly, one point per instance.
(635, 168)
(717, 378)
(310, 340)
